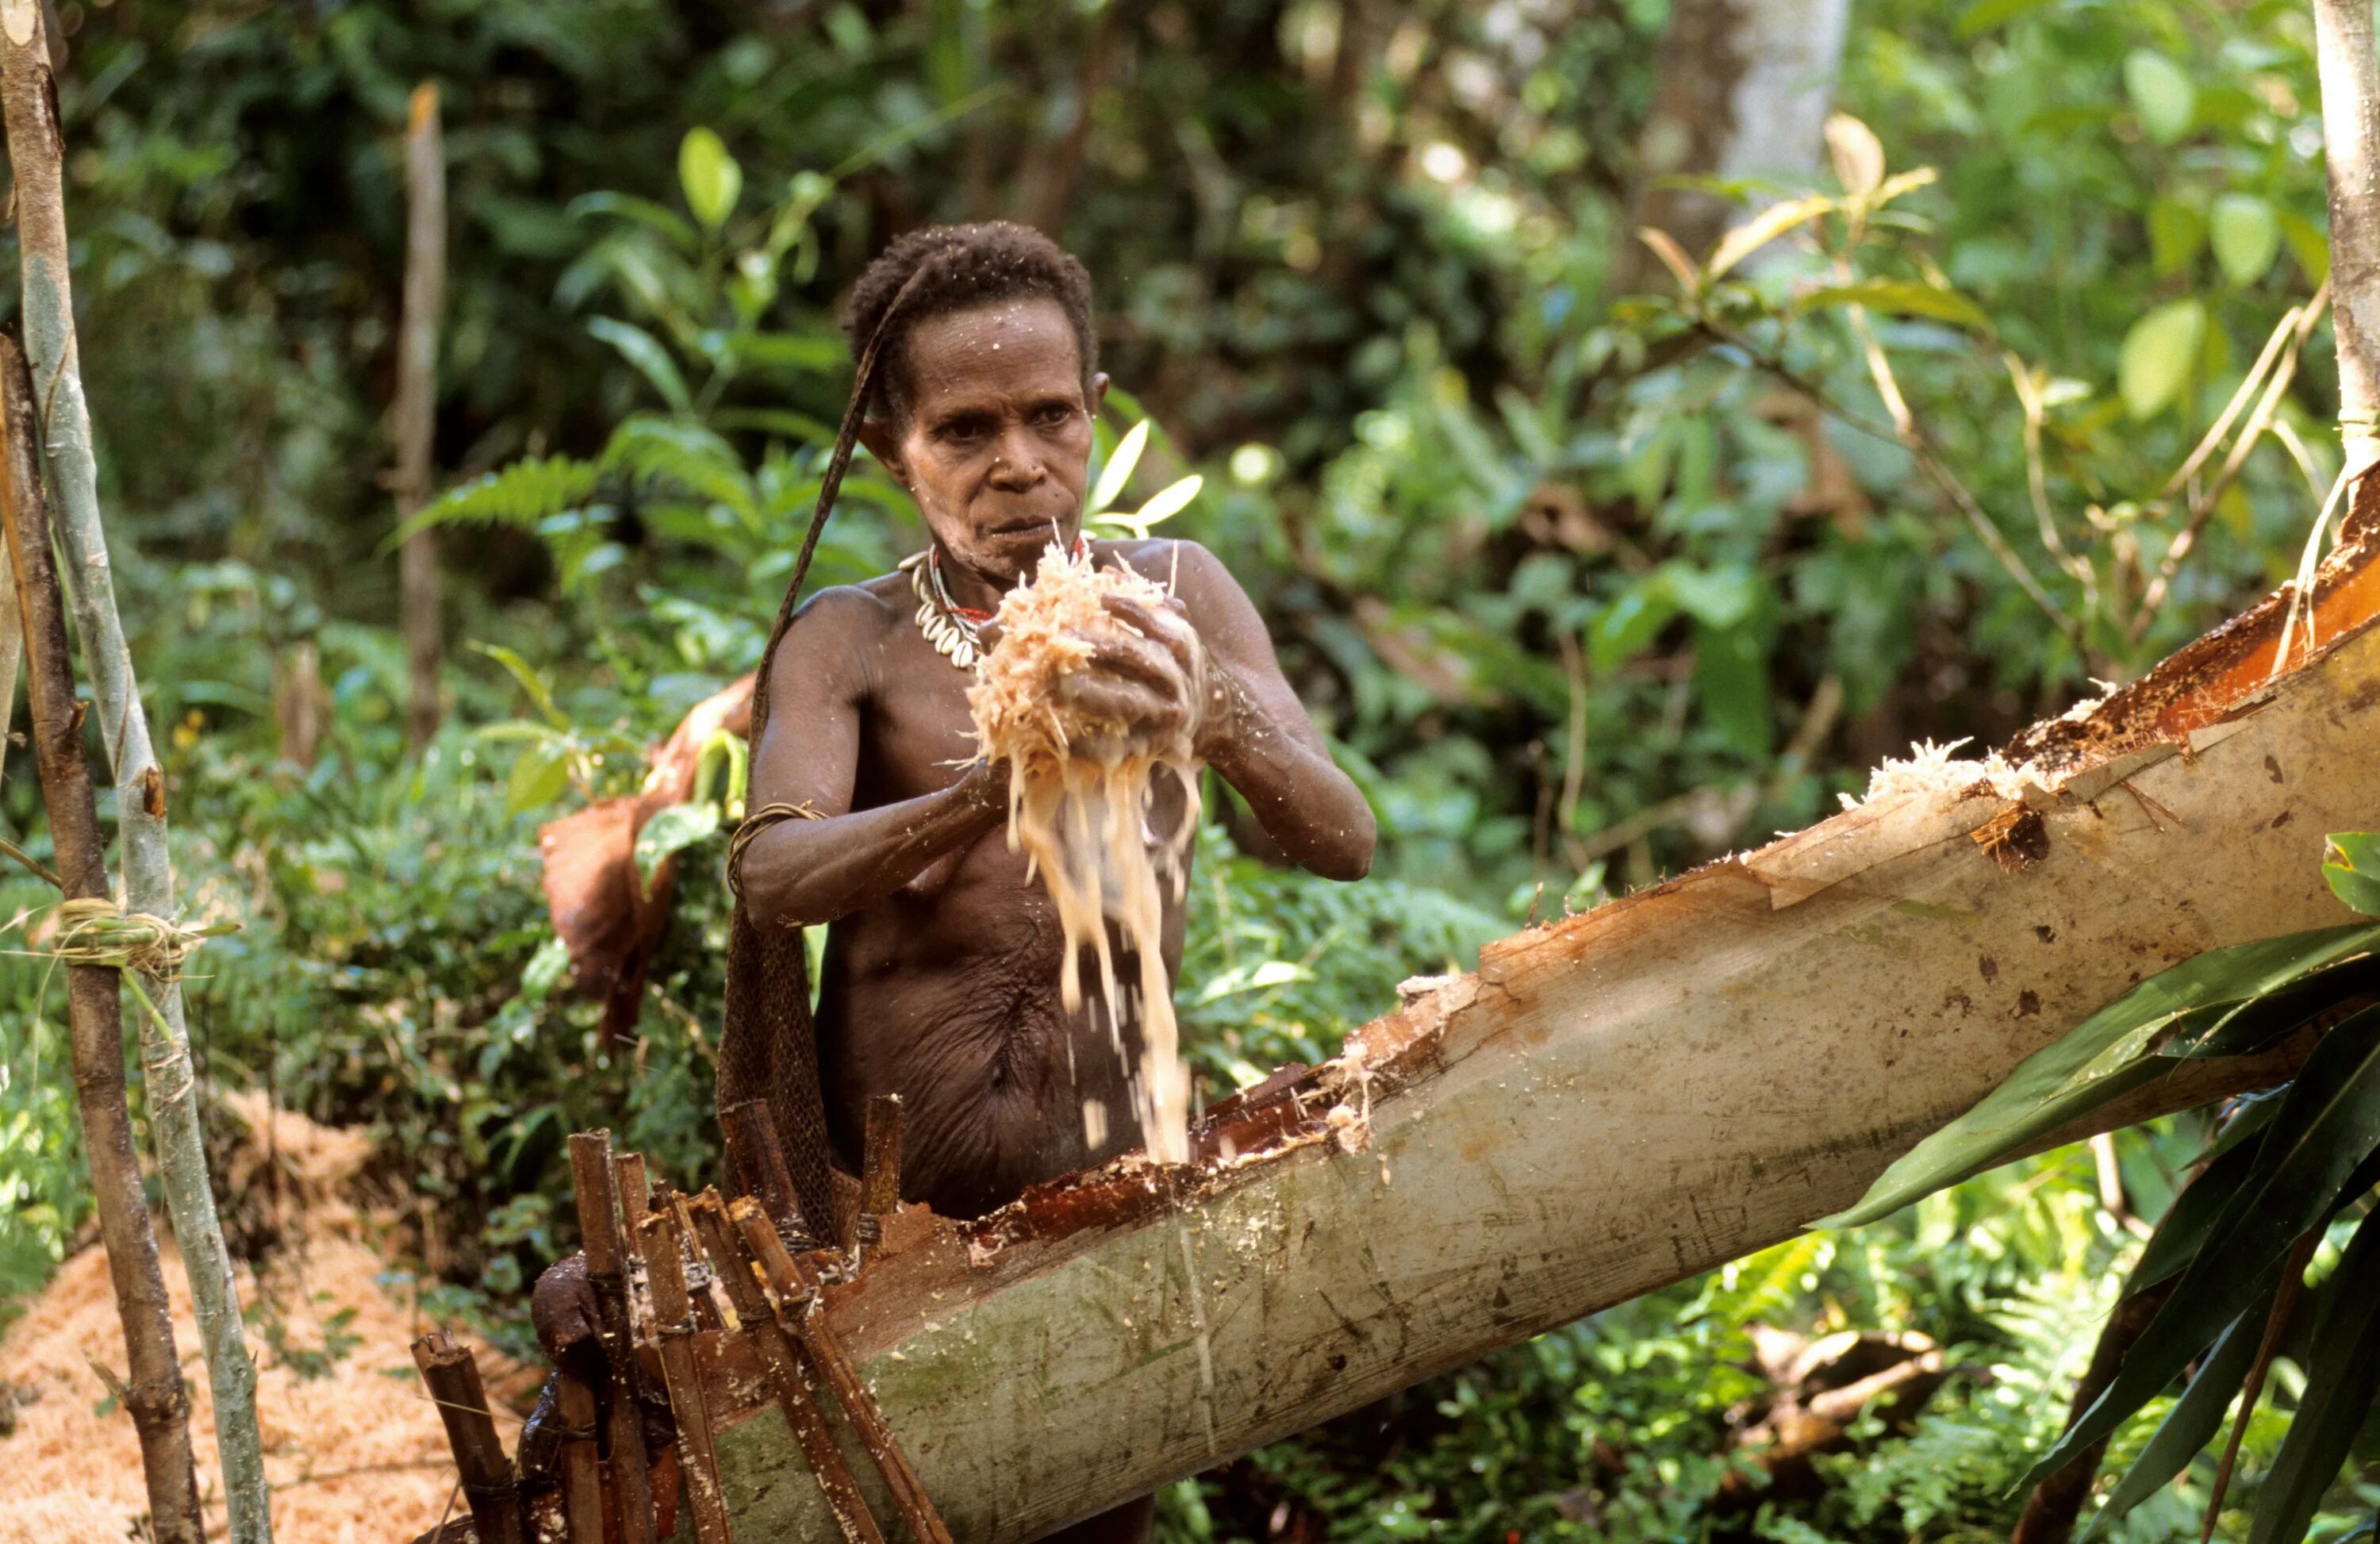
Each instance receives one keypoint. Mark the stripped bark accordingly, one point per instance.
(35, 155)
(413, 417)
(1613, 1101)
(154, 1399)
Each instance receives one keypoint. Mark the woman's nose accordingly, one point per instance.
(1015, 463)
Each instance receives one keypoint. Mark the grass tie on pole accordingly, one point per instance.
(50, 379)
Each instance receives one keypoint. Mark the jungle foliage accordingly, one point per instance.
(1583, 587)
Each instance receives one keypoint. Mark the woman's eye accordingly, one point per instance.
(1055, 415)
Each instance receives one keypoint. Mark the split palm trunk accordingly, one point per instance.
(1612, 1102)
(155, 1400)
(30, 98)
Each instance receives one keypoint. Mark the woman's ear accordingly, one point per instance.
(1098, 392)
(885, 445)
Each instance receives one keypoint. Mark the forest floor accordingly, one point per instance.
(353, 1447)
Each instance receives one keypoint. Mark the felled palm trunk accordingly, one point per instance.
(1611, 1103)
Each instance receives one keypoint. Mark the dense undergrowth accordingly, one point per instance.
(1582, 588)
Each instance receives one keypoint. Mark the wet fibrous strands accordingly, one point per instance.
(1079, 806)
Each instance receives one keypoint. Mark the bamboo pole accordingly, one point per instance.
(675, 1310)
(490, 1486)
(35, 155)
(413, 417)
(2349, 70)
(582, 1485)
(159, 1410)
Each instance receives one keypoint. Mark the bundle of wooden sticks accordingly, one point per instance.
(625, 1455)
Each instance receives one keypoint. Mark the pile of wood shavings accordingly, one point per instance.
(1078, 805)
(352, 1446)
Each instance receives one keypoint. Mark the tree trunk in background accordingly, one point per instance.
(414, 417)
(160, 1411)
(2351, 132)
(1744, 89)
(169, 1081)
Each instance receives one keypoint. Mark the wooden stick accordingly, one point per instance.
(636, 1190)
(787, 1377)
(880, 1178)
(94, 1008)
(757, 1165)
(488, 1484)
(797, 1291)
(413, 417)
(599, 1228)
(35, 156)
(582, 1486)
(675, 1310)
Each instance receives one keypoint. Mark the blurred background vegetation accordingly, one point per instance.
(1559, 545)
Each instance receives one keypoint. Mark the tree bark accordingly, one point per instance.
(1744, 90)
(35, 155)
(413, 417)
(2350, 130)
(159, 1410)
(1612, 1102)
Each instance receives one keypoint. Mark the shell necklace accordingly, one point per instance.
(955, 631)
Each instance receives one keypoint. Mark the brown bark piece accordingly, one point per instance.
(673, 1310)
(488, 1484)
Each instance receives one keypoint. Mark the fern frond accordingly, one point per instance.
(529, 491)
(687, 455)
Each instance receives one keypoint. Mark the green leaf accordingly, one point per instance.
(2244, 1028)
(1720, 597)
(2111, 1052)
(2351, 866)
(2327, 1126)
(2246, 234)
(2194, 1419)
(1631, 623)
(1731, 684)
(2342, 1375)
(1118, 471)
(652, 361)
(530, 682)
(528, 490)
(1763, 228)
(669, 223)
(2176, 233)
(1984, 15)
(673, 830)
(2308, 244)
(2158, 355)
(1901, 298)
(1162, 505)
(539, 774)
(2161, 93)
(709, 175)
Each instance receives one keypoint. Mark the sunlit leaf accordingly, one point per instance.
(539, 774)
(1119, 469)
(673, 830)
(1673, 257)
(2161, 93)
(1630, 622)
(643, 212)
(2246, 236)
(530, 682)
(644, 351)
(2177, 233)
(2158, 354)
(2351, 866)
(2109, 1053)
(1857, 153)
(1899, 298)
(1763, 228)
(709, 177)
(1986, 15)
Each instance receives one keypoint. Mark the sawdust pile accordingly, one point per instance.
(1079, 806)
(353, 1448)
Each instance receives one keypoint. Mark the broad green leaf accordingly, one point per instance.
(643, 350)
(2351, 866)
(2158, 355)
(672, 830)
(1764, 227)
(709, 175)
(2246, 236)
(530, 682)
(669, 223)
(1631, 623)
(2324, 1129)
(2342, 1375)
(1901, 298)
(1720, 596)
(1163, 505)
(2111, 1052)
(2244, 1028)
(2176, 233)
(2194, 1419)
(2161, 93)
(2185, 1223)
(539, 774)
(1118, 471)
(1984, 15)
(2308, 244)
(1731, 685)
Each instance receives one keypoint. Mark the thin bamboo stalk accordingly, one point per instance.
(413, 417)
(160, 1411)
(490, 1487)
(170, 1085)
(675, 1310)
(599, 1228)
